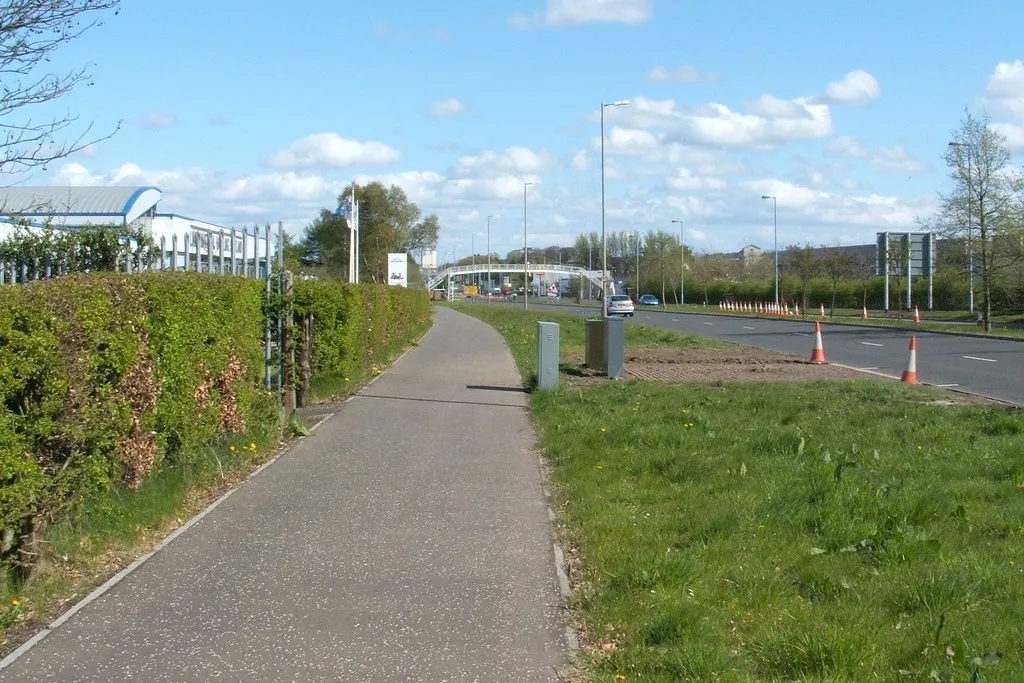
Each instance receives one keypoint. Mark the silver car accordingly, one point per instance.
(620, 304)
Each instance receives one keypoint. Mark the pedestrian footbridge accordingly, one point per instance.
(547, 271)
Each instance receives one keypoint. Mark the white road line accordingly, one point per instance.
(675, 320)
(749, 328)
(709, 323)
(947, 386)
(870, 344)
(866, 369)
(987, 360)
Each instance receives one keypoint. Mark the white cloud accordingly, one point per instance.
(1014, 135)
(856, 87)
(717, 125)
(684, 73)
(514, 160)
(897, 160)
(1005, 91)
(574, 12)
(684, 179)
(447, 109)
(819, 206)
(845, 146)
(155, 119)
(330, 149)
(580, 161)
(888, 159)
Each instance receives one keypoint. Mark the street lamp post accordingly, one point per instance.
(638, 266)
(476, 275)
(970, 250)
(682, 264)
(775, 220)
(526, 256)
(489, 288)
(604, 243)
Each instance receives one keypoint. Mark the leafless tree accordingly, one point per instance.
(984, 204)
(30, 31)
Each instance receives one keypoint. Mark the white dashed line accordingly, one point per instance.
(987, 360)
(709, 323)
(870, 344)
(749, 328)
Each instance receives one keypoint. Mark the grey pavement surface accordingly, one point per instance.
(407, 539)
(989, 367)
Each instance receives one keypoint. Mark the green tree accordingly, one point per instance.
(388, 223)
(803, 262)
(838, 266)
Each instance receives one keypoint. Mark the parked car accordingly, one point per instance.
(620, 304)
(649, 300)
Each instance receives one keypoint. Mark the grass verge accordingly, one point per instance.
(778, 532)
(519, 328)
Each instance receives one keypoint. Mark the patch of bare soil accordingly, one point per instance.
(716, 366)
(711, 366)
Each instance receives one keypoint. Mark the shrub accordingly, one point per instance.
(101, 379)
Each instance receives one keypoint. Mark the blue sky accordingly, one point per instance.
(247, 112)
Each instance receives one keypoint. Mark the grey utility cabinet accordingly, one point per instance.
(606, 346)
(547, 355)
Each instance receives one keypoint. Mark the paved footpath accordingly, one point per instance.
(406, 540)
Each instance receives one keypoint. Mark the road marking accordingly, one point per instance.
(866, 369)
(709, 323)
(749, 328)
(987, 360)
(675, 320)
(870, 344)
(947, 386)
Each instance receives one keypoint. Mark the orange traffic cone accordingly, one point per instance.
(917, 315)
(910, 374)
(823, 310)
(796, 309)
(865, 314)
(818, 354)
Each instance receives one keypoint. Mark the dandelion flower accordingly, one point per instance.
(604, 429)
(15, 602)
(252, 447)
(620, 677)
(231, 448)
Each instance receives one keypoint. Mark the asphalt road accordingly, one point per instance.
(989, 367)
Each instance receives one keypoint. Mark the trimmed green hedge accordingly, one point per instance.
(354, 326)
(104, 379)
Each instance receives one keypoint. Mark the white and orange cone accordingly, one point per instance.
(823, 310)
(917, 315)
(910, 374)
(865, 314)
(796, 309)
(818, 354)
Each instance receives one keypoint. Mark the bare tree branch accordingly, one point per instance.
(30, 31)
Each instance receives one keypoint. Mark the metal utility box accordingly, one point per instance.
(605, 346)
(593, 355)
(547, 355)
(614, 347)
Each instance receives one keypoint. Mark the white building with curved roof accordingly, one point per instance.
(184, 242)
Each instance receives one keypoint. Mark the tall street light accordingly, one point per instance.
(489, 288)
(970, 250)
(775, 220)
(526, 256)
(472, 241)
(682, 264)
(604, 243)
